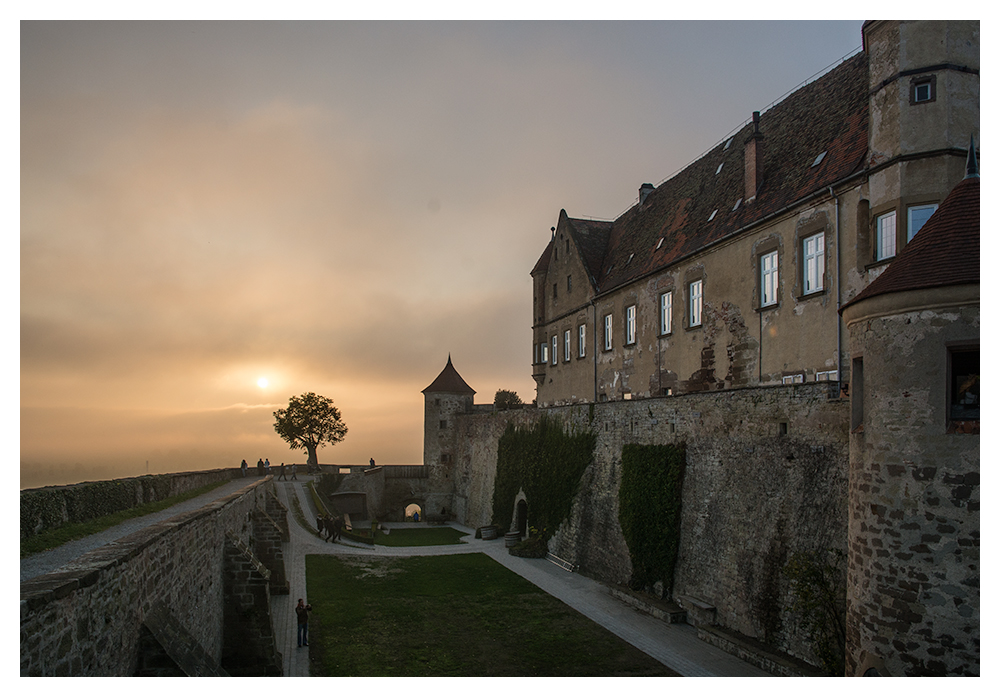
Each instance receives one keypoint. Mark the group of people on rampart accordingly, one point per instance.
(264, 469)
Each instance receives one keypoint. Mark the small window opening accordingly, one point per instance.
(711, 217)
(964, 386)
(728, 143)
(782, 428)
(660, 243)
(738, 202)
(720, 167)
(819, 158)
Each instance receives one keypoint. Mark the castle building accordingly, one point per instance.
(731, 273)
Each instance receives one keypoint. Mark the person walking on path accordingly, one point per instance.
(260, 467)
(294, 466)
(281, 472)
(243, 467)
(302, 612)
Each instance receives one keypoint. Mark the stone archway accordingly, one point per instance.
(521, 520)
(414, 508)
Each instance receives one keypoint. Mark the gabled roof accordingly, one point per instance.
(944, 253)
(590, 238)
(449, 381)
(828, 115)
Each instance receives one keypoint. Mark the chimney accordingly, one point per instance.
(644, 191)
(753, 161)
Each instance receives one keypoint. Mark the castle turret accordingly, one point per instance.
(446, 397)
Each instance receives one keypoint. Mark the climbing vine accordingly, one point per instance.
(821, 601)
(649, 510)
(547, 463)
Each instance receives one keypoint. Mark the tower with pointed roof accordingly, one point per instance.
(445, 399)
(913, 520)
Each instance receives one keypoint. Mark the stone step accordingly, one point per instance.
(757, 654)
(664, 610)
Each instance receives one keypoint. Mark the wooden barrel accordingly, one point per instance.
(511, 538)
(490, 532)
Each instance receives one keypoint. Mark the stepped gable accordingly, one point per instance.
(944, 253)
(449, 381)
(828, 115)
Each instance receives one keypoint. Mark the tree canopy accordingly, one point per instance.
(506, 399)
(309, 422)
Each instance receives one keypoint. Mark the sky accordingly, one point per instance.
(334, 207)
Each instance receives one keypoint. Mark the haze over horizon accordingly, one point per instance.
(335, 207)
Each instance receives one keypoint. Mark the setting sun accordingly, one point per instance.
(262, 383)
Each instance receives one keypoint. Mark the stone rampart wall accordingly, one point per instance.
(766, 476)
(52, 506)
(85, 618)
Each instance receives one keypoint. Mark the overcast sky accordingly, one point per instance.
(334, 207)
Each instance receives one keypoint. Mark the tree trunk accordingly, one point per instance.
(312, 460)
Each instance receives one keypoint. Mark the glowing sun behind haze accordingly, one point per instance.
(262, 383)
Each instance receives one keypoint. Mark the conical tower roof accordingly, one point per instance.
(449, 381)
(944, 253)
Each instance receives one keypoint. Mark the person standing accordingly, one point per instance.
(371, 462)
(302, 612)
(294, 467)
(260, 467)
(281, 472)
(243, 467)
(267, 467)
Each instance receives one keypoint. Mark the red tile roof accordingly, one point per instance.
(829, 114)
(944, 253)
(449, 381)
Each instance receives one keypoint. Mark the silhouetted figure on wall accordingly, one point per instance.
(243, 467)
(281, 472)
(260, 467)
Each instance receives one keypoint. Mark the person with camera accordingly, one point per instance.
(302, 611)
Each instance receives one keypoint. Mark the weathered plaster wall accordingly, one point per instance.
(85, 619)
(914, 529)
(751, 497)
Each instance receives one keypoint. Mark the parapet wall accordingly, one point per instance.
(86, 618)
(52, 506)
(766, 476)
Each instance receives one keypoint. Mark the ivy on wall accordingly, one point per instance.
(649, 510)
(547, 463)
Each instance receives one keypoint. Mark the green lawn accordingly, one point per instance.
(455, 615)
(420, 537)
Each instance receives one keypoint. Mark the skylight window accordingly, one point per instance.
(737, 204)
(713, 215)
(660, 243)
(720, 167)
(819, 158)
(728, 143)
(629, 259)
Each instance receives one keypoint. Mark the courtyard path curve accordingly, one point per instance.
(675, 645)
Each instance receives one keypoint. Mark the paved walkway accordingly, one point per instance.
(676, 646)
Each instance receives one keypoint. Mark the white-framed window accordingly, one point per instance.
(666, 312)
(695, 303)
(630, 325)
(827, 376)
(544, 357)
(581, 346)
(566, 345)
(916, 216)
(555, 349)
(796, 379)
(769, 279)
(812, 263)
(607, 332)
(885, 236)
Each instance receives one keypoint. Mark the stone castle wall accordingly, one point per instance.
(766, 476)
(86, 618)
(52, 506)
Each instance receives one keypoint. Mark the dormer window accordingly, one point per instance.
(711, 217)
(726, 146)
(737, 204)
(819, 158)
(720, 167)
(629, 259)
(660, 243)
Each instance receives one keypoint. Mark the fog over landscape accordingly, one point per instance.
(217, 216)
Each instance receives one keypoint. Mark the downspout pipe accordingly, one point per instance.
(836, 245)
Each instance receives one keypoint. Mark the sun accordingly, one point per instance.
(262, 383)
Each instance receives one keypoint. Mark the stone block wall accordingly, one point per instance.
(249, 646)
(52, 506)
(267, 538)
(766, 476)
(85, 619)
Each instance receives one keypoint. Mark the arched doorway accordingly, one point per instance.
(414, 513)
(522, 517)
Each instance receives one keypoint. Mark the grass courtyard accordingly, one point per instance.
(454, 615)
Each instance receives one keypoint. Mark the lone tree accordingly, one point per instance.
(506, 399)
(309, 422)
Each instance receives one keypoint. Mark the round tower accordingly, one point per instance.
(445, 398)
(913, 501)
